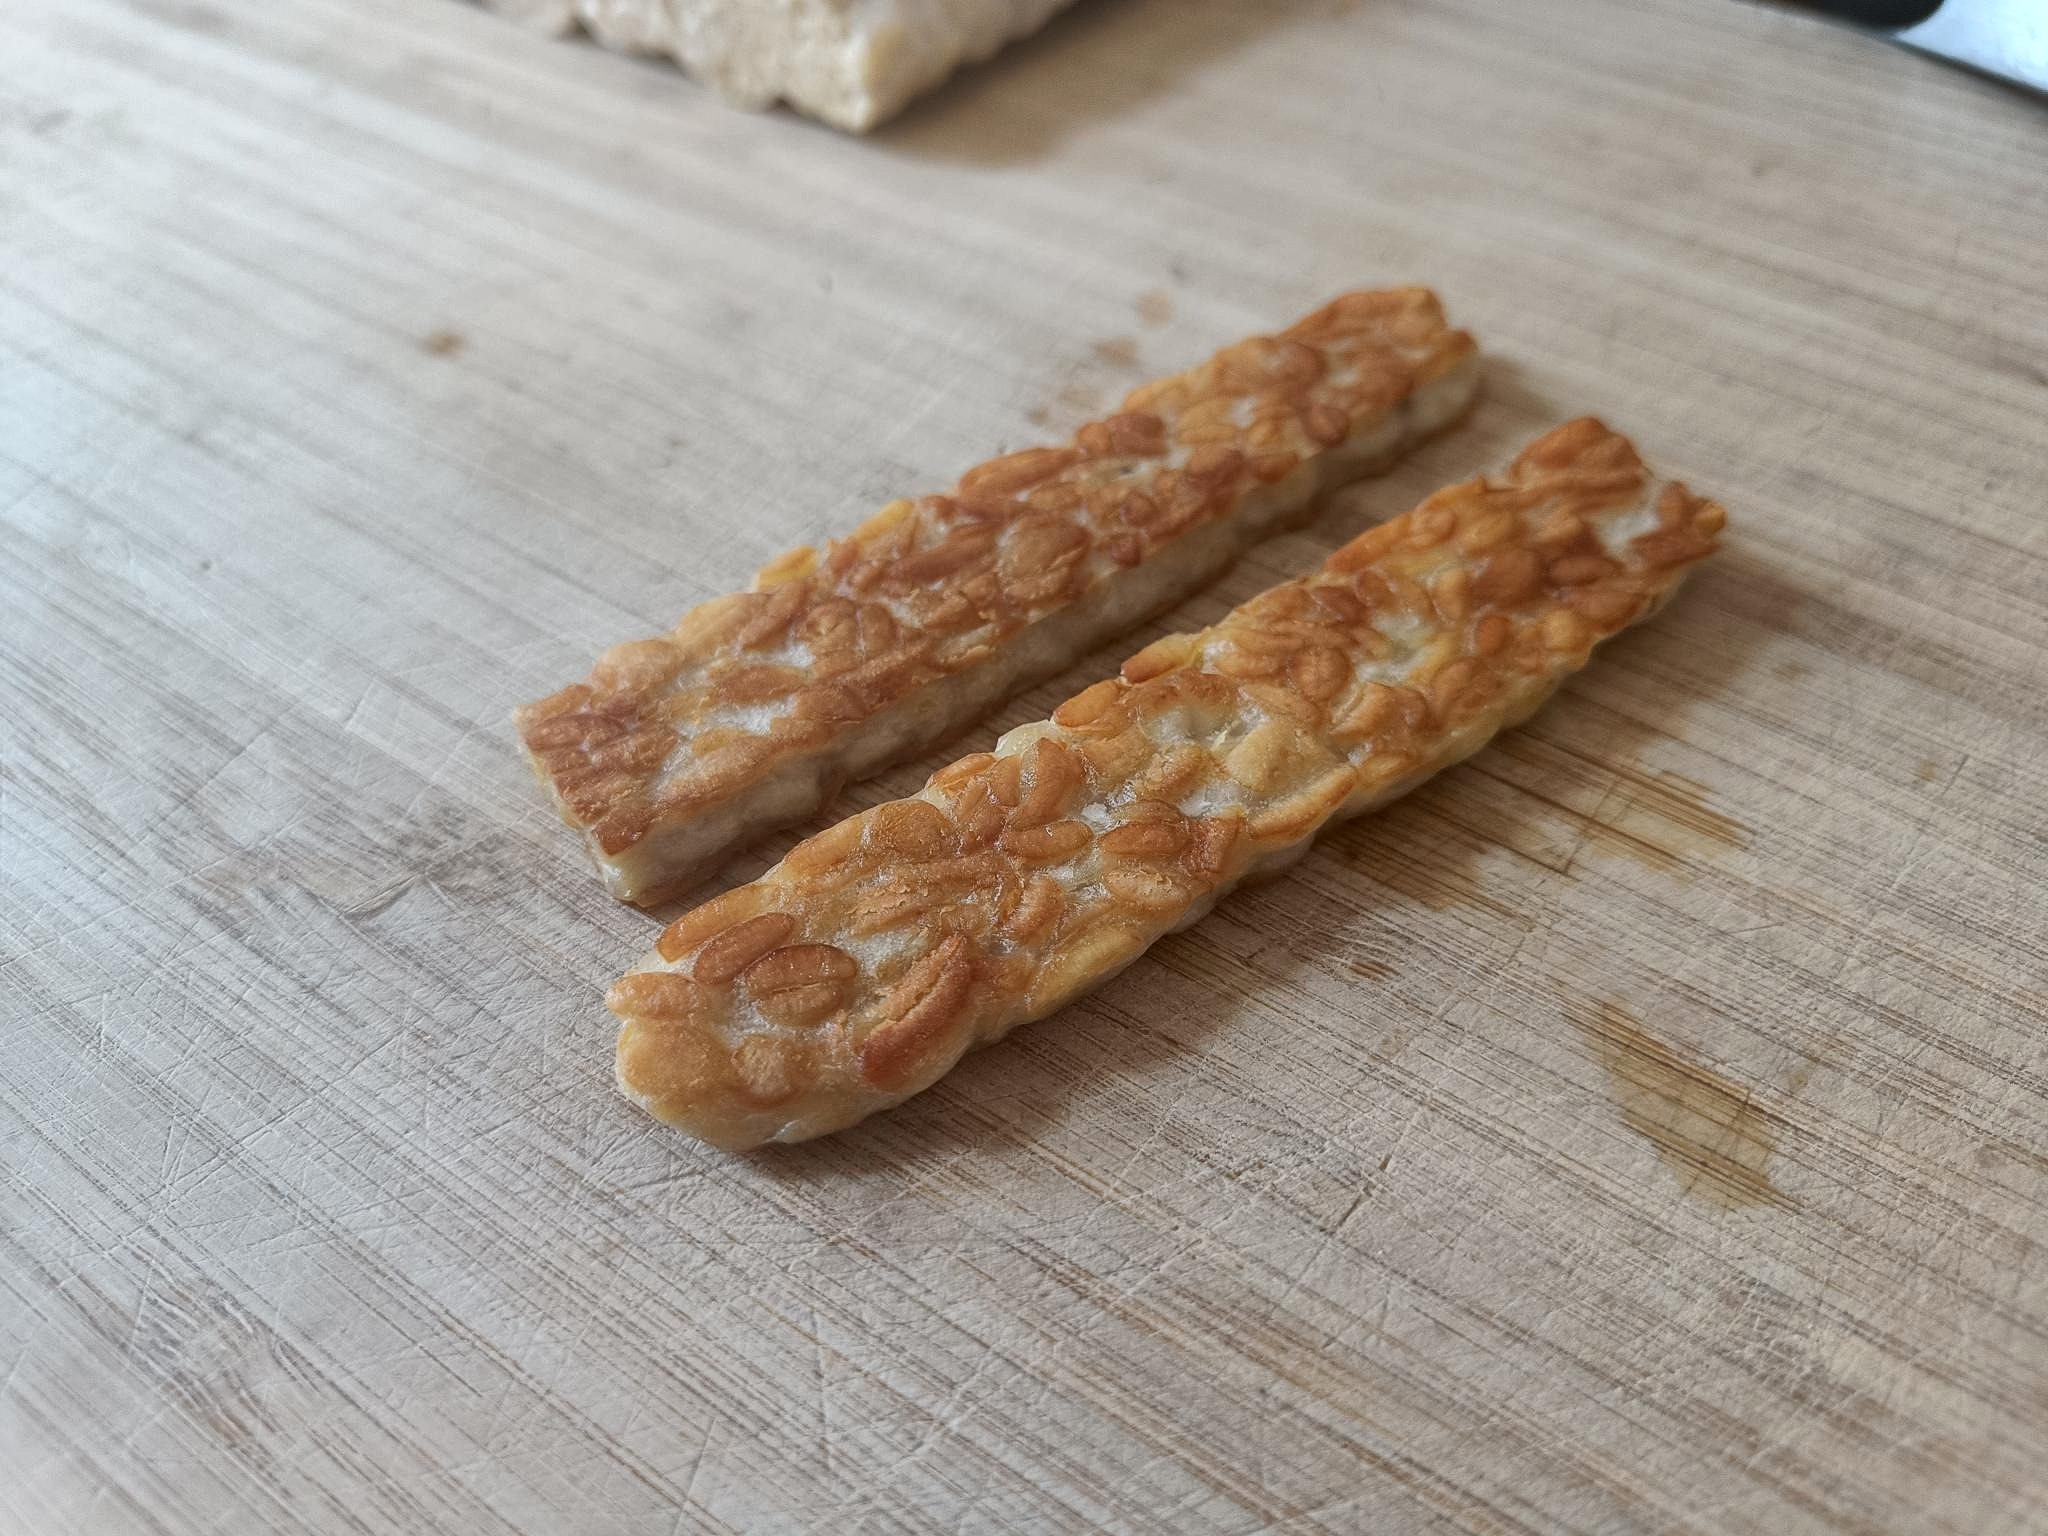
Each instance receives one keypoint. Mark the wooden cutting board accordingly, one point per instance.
(1643, 1128)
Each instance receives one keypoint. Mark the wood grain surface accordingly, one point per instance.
(1642, 1129)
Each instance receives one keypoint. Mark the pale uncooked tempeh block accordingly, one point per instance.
(850, 62)
(860, 968)
(759, 705)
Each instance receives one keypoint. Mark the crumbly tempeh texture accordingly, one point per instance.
(860, 968)
(852, 63)
(754, 710)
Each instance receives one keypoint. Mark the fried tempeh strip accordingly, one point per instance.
(758, 706)
(863, 965)
(860, 968)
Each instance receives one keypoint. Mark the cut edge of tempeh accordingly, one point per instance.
(758, 706)
(858, 970)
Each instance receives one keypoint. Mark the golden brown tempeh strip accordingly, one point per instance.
(860, 968)
(759, 705)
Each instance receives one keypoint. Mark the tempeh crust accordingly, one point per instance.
(859, 969)
(753, 711)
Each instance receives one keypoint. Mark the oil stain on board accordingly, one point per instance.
(1704, 1127)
